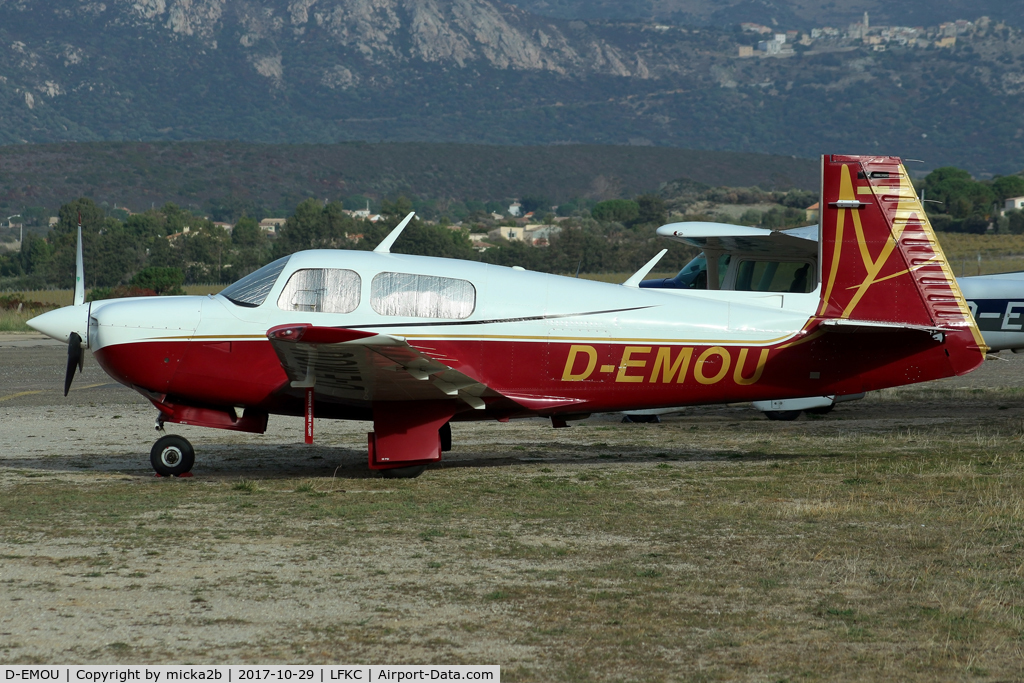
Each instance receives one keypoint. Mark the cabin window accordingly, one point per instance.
(694, 275)
(422, 296)
(321, 290)
(775, 276)
(252, 290)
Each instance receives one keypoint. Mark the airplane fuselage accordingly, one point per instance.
(552, 344)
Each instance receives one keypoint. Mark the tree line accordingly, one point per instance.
(162, 249)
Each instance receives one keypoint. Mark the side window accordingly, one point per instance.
(422, 296)
(321, 290)
(775, 276)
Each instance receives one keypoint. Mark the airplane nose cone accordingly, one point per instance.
(61, 322)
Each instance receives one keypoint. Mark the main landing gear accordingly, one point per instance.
(444, 433)
(172, 456)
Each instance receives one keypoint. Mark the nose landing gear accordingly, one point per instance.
(172, 456)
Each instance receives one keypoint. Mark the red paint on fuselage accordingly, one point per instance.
(622, 377)
(246, 373)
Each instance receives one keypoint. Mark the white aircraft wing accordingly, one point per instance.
(354, 366)
(740, 238)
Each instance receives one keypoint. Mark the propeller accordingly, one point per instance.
(69, 322)
(75, 357)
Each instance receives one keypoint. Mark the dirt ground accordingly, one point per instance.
(714, 546)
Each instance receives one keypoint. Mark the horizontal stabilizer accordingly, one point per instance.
(847, 325)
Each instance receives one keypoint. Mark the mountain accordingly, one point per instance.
(232, 175)
(797, 14)
(479, 71)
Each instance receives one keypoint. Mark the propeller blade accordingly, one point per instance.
(79, 269)
(75, 357)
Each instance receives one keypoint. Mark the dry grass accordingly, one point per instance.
(998, 253)
(64, 297)
(14, 321)
(698, 549)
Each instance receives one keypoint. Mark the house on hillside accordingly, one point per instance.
(540, 235)
(514, 209)
(227, 226)
(812, 212)
(513, 233)
(270, 225)
(178, 235)
(1014, 203)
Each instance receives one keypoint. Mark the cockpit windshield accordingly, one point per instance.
(252, 290)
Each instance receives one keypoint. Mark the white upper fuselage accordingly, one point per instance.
(509, 304)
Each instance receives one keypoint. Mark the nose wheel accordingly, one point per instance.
(172, 456)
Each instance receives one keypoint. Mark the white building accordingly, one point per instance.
(1014, 203)
(514, 209)
(270, 225)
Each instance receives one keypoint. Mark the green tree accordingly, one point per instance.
(399, 207)
(111, 255)
(750, 217)
(35, 254)
(1016, 221)
(1008, 186)
(959, 192)
(164, 281)
(314, 226)
(618, 210)
(652, 210)
(246, 233)
(534, 203)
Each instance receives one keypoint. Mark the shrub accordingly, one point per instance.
(618, 210)
(161, 281)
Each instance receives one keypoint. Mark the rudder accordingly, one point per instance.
(881, 261)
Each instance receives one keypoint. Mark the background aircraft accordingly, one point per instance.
(414, 343)
(742, 258)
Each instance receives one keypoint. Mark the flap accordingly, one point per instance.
(356, 366)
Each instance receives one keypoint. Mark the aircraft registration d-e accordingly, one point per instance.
(414, 343)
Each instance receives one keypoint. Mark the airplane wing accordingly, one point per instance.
(354, 366)
(728, 238)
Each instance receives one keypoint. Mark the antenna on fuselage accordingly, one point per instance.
(385, 246)
(639, 275)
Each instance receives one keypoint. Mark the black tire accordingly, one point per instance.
(403, 472)
(445, 432)
(824, 410)
(172, 456)
(782, 415)
(641, 419)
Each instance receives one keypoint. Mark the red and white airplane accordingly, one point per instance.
(414, 343)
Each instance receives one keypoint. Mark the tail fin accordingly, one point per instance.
(880, 260)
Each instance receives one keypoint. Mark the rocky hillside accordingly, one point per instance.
(797, 14)
(479, 71)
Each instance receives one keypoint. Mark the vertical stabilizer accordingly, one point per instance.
(880, 258)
